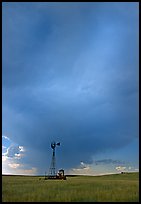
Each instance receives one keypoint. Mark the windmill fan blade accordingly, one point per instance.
(58, 143)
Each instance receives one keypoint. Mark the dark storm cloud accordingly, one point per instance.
(70, 74)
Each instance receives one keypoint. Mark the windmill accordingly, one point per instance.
(52, 170)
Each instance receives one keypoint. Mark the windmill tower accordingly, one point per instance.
(52, 170)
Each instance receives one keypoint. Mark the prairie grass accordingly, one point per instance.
(110, 188)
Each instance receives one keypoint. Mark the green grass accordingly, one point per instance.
(109, 188)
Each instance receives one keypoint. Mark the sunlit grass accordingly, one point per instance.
(111, 188)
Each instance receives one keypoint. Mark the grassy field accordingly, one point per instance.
(109, 188)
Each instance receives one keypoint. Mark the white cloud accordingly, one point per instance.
(120, 168)
(11, 165)
(82, 169)
(14, 151)
(7, 138)
(136, 169)
(11, 151)
(82, 163)
(12, 160)
(31, 171)
(21, 149)
(3, 158)
(103, 169)
(84, 166)
(14, 165)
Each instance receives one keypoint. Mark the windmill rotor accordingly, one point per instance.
(53, 144)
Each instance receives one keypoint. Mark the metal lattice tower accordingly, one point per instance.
(52, 170)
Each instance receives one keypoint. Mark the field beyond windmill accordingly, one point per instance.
(108, 188)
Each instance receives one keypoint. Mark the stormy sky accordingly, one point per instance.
(70, 74)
